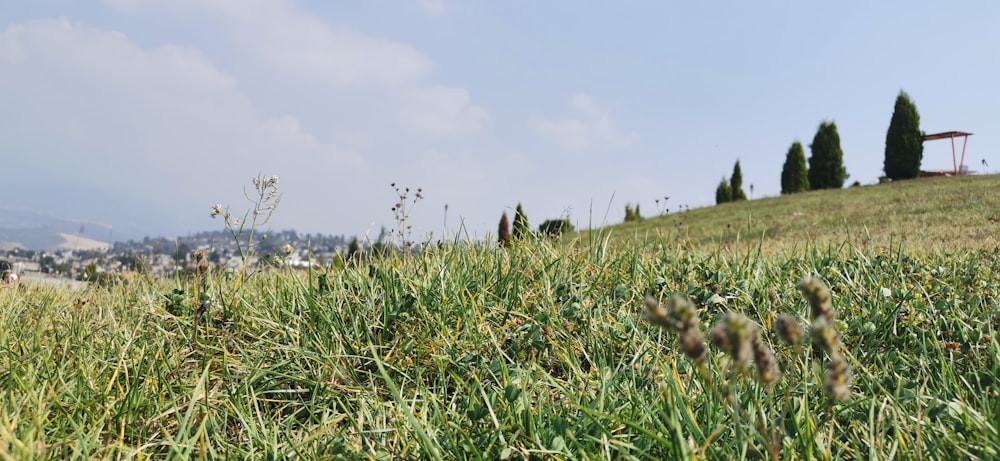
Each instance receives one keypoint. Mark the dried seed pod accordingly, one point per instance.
(825, 336)
(838, 378)
(818, 296)
(683, 313)
(720, 338)
(733, 335)
(788, 329)
(692, 345)
(654, 313)
(767, 367)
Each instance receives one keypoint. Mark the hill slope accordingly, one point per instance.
(924, 214)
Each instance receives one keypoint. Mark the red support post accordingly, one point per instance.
(953, 155)
(965, 142)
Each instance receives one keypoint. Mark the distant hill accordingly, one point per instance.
(46, 239)
(33, 230)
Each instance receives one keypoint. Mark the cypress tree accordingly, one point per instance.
(826, 164)
(723, 193)
(503, 231)
(521, 227)
(904, 145)
(736, 184)
(795, 174)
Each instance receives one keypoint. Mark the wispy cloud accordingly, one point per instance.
(442, 111)
(592, 127)
(296, 43)
(94, 105)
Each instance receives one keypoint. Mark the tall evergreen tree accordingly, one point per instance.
(736, 183)
(723, 193)
(795, 174)
(503, 231)
(904, 145)
(521, 227)
(826, 164)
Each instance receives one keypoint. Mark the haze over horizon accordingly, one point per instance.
(144, 113)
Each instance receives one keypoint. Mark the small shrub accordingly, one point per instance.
(555, 227)
(632, 213)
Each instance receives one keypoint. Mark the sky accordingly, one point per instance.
(152, 111)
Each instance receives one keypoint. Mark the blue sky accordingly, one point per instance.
(569, 108)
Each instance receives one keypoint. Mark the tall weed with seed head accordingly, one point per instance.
(264, 201)
(742, 342)
(401, 213)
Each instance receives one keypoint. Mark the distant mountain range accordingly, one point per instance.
(34, 230)
(40, 211)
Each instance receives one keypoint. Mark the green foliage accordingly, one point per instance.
(632, 213)
(904, 146)
(353, 250)
(538, 352)
(736, 183)
(176, 303)
(826, 165)
(521, 227)
(555, 227)
(723, 193)
(97, 277)
(795, 173)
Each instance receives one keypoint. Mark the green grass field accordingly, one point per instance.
(927, 214)
(540, 350)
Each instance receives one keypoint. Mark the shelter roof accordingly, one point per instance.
(945, 135)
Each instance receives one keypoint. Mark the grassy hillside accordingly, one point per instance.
(540, 351)
(924, 214)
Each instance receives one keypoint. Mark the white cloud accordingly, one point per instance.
(593, 128)
(162, 125)
(170, 126)
(442, 111)
(291, 41)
